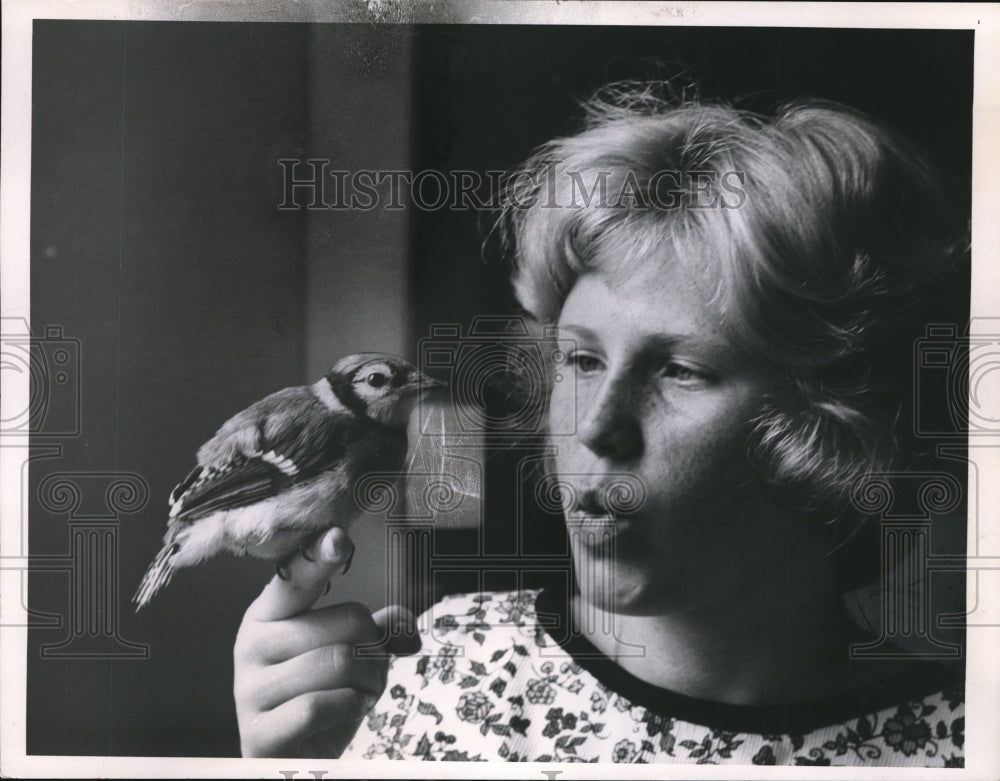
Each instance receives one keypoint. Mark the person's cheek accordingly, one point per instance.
(562, 414)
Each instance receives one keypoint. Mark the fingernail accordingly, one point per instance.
(328, 548)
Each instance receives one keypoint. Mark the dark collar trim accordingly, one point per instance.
(788, 719)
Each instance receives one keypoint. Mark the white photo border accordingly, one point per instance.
(982, 749)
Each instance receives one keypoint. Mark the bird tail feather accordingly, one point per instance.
(159, 573)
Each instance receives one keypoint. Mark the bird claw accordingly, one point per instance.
(306, 554)
(347, 566)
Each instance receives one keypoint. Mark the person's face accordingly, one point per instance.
(658, 395)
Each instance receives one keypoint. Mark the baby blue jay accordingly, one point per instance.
(283, 471)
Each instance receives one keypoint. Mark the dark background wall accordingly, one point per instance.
(156, 242)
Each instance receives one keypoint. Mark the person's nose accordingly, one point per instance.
(610, 423)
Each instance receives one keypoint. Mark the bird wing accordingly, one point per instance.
(241, 483)
(241, 435)
(273, 444)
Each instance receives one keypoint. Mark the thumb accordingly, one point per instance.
(307, 577)
(399, 628)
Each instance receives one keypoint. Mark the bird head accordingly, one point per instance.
(378, 386)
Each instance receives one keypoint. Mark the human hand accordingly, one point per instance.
(300, 687)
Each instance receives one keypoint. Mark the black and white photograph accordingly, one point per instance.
(503, 385)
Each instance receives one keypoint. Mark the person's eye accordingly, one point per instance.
(584, 363)
(687, 375)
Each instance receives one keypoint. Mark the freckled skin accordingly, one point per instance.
(663, 396)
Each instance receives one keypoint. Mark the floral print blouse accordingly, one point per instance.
(492, 685)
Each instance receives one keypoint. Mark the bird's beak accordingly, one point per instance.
(424, 383)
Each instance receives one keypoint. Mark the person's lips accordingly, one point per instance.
(591, 509)
(618, 495)
(593, 501)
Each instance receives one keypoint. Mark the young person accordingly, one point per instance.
(737, 298)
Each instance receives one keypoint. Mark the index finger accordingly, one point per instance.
(306, 580)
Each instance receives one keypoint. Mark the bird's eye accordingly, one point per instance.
(377, 379)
